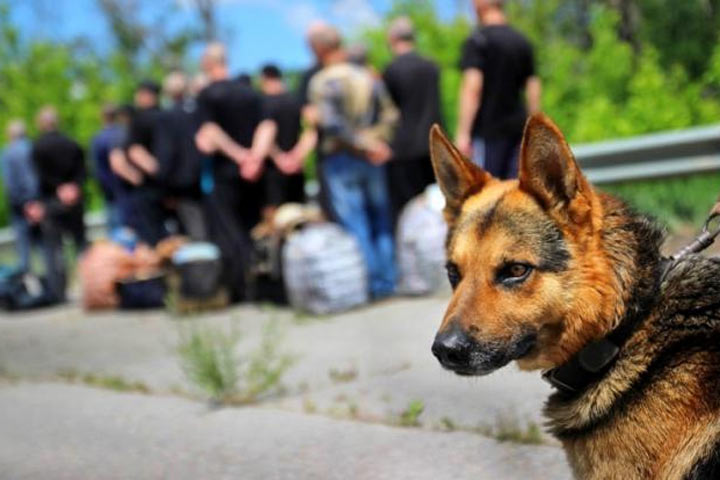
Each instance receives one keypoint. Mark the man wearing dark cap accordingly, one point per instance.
(283, 179)
(111, 134)
(138, 167)
(414, 85)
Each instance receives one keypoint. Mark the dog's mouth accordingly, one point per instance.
(477, 359)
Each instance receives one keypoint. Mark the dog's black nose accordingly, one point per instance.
(453, 348)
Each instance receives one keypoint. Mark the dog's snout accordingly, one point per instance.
(453, 348)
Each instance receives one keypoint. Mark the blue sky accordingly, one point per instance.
(257, 30)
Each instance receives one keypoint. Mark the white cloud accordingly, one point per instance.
(352, 14)
(348, 15)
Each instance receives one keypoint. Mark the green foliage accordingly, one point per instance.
(675, 202)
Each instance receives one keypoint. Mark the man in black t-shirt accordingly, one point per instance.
(60, 165)
(179, 159)
(135, 163)
(235, 130)
(498, 66)
(414, 85)
(283, 180)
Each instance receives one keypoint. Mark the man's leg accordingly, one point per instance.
(53, 257)
(230, 235)
(406, 179)
(148, 216)
(382, 279)
(192, 217)
(344, 180)
(22, 241)
(479, 152)
(76, 226)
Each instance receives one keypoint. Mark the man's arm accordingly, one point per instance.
(263, 142)
(533, 93)
(123, 169)
(143, 159)
(470, 98)
(210, 139)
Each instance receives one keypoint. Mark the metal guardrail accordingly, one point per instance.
(682, 152)
(677, 153)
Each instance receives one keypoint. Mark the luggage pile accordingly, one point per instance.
(421, 238)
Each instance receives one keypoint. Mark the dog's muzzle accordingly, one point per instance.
(459, 352)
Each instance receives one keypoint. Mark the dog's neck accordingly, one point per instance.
(631, 249)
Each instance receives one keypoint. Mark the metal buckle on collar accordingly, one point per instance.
(703, 241)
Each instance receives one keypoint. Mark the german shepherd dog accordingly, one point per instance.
(552, 274)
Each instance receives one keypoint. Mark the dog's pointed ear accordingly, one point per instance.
(548, 170)
(457, 177)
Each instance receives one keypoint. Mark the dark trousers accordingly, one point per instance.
(230, 215)
(501, 157)
(145, 213)
(60, 221)
(407, 178)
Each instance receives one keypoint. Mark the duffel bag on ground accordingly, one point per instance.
(421, 237)
(324, 270)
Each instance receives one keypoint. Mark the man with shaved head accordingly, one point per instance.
(236, 130)
(498, 68)
(413, 82)
(60, 165)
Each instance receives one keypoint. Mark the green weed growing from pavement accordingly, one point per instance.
(508, 429)
(209, 360)
(410, 417)
(108, 382)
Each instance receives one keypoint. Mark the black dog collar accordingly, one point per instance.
(586, 367)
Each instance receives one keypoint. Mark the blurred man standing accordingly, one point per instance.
(235, 129)
(21, 186)
(111, 134)
(60, 165)
(283, 179)
(414, 85)
(136, 164)
(498, 66)
(356, 118)
(179, 159)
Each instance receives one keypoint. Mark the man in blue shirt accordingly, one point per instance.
(21, 186)
(111, 135)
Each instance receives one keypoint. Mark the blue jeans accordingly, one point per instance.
(357, 191)
(498, 156)
(23, 240)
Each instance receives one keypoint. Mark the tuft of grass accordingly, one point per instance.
(410, 417)
(508, 429)
(209, 361)
(266, 366)
(309, 406)
(674, 201)
(343, 376)
(447, 424)
(207, 357)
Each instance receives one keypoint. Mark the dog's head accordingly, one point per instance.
(524, 257)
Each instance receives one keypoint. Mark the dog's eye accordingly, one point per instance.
(453, 273)
(514, 273)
